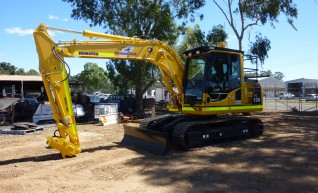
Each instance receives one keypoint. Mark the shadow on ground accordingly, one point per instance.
(284, 159)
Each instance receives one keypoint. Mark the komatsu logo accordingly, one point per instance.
(88, 53)
(126, 51)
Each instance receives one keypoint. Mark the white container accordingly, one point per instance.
(106, 113)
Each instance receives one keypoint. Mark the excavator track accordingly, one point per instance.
(155, 135)
(179, 134)
(199, 133)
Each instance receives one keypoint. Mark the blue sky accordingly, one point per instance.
(294, 53)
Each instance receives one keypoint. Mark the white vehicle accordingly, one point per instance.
(286, 95)
(311, 97)
(101, 95)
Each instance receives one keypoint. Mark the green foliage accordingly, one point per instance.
(264, 11)
(217, 34)
(93, 77)
(75, 78)
(7, 68)
(266, 73)
(278, 75)
(260, 48)
(32, 72)
(136, 18)
(20, 71)
(256, 12)
(144, 18)
(194, 37)
(117, 73)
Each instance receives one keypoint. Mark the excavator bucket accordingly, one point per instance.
(145, 139)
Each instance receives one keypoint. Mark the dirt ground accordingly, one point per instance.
(284, 159)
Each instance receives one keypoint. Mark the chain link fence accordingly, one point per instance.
(296, 99)
(290, 104)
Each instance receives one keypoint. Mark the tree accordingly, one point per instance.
(140, 17)
(278, 75)
(217, 34)
(266, 73)
(32, 72)
(260, 48)
(7, 68)
(118, 79)
(20, 71)
(144, 18)
(93, 77)
(252, 13)
(194, 37)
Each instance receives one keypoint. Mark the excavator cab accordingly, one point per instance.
(213, 77)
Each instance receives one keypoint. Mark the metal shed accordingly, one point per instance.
(20, 85)
(302, 86)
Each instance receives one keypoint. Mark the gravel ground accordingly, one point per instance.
(284, 159)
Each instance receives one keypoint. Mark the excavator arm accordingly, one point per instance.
(54, 72)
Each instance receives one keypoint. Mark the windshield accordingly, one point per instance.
(216, 74)
(195, 77)
(224, 72)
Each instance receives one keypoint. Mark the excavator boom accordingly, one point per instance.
(55, 76)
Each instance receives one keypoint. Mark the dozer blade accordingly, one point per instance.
(145, 139)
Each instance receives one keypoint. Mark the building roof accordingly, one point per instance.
(302, 80)
(20, 78)
(270, 82)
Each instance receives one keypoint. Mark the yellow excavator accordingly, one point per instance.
(209, 93)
